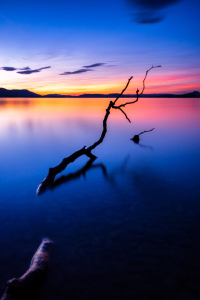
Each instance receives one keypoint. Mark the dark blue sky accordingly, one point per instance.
(42, 40)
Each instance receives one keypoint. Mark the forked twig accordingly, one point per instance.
(123, 90)
(137, 92)
(146, 131)
(123, 113)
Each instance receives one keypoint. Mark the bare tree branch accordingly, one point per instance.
(123, 90)
(123, 105)
(123, 113)
(146, 77)
(137, 92)
(136, 137)
(146, 131)
(87, 151)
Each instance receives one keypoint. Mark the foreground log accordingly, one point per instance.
(49, 179)
(25, 286)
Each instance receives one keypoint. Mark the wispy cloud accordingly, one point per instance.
(150, 11)
(28, 71)
(87, 69)
(25, 70)
(94, 65)
(8, 69)
(76, 72)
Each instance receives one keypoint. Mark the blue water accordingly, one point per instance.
(126, 228)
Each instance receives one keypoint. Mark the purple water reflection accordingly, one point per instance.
(130, 227)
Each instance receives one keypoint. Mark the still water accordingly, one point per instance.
(128, 227)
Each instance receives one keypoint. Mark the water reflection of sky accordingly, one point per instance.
(126, 227)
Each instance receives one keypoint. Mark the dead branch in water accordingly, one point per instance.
(87, 151)
(136, 137)
(25, 286)
(146, 131)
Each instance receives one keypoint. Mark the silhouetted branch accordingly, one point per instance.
(104, 128)
(137, 92)
(124, 114)
(87, 151)
(146, 131)
(123, 90)
(136, 137)
(123, 105)
(146, 77)
(24, 287)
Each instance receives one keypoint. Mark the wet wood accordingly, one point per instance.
(24, 287)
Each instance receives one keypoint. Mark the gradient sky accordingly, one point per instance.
(74, 47)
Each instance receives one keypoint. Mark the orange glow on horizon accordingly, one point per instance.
(154, 85)
(176, 83)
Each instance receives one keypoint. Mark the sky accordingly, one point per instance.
(85, 46)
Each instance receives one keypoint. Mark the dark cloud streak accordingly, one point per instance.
(153, 4)
(76, 72)
(25, 70)
(150, 11)
(87, 68)
(148, 18)
(8, 69)
(94, 65)
(28, 71)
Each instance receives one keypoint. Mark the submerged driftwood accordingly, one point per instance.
(49, 179)
(136, 137)
(24, 287)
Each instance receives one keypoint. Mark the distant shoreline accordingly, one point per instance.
(4, 93)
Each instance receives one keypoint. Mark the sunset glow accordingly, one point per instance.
(91, 51)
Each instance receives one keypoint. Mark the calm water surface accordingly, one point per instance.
(126, 228)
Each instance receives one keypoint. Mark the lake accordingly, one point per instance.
(126, 227)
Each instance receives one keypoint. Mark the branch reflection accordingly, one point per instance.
(81, 172)
(143, 146)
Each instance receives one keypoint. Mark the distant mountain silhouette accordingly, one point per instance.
(54, 96)
(194, 94)
(4, 93)
(18, 94)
